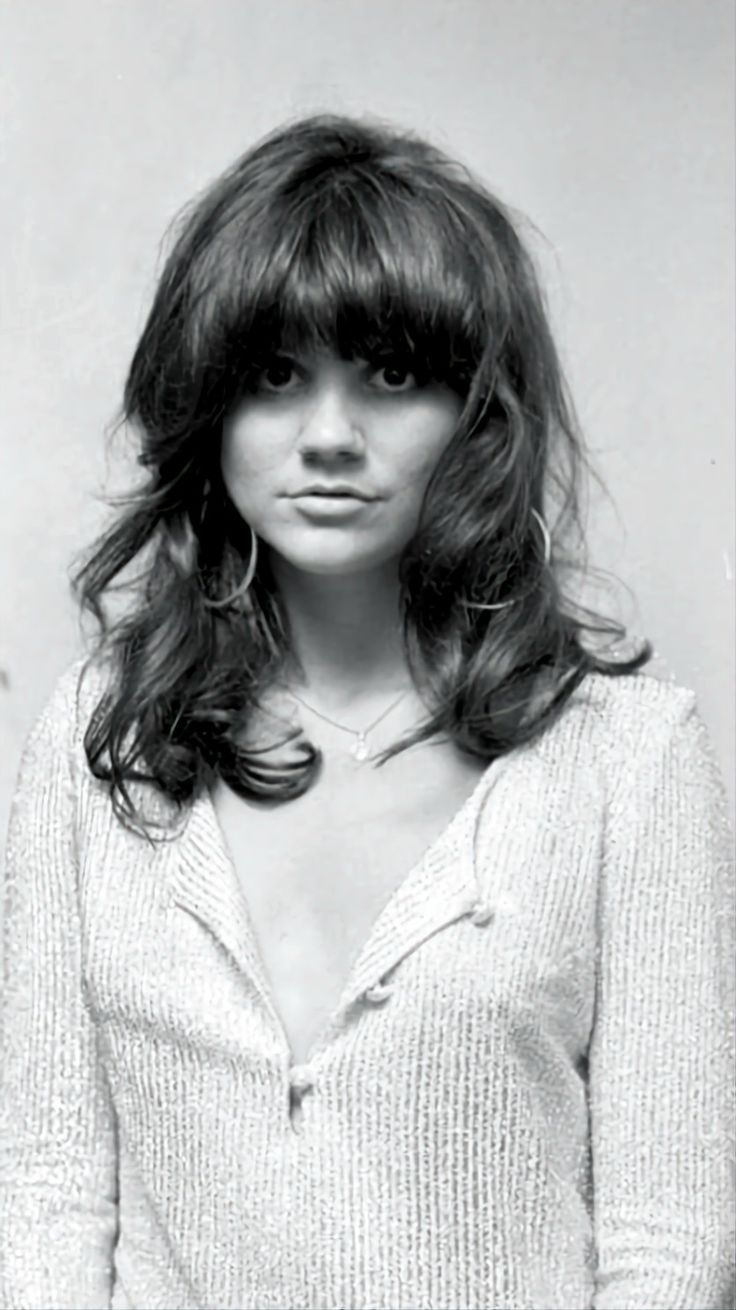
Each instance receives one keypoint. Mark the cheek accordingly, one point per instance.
(241, 474)
(417, 458)
(246, 457)
(234, 452)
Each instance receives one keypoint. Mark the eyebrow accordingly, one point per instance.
(381, 352)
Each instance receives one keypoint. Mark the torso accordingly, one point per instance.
(316, 872)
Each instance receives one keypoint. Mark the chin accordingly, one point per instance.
(335, 563)
(344, 568)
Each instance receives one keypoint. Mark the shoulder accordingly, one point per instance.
(632, 729)
(65, 713)
(609, 724)
(52, 760)
(627, 710)
(77, 689)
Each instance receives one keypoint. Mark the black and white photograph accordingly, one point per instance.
(367, 655)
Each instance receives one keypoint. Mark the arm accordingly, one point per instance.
(662, 1059)
(58, 1211)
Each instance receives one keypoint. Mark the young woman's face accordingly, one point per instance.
(328, 459)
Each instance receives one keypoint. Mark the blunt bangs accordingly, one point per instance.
(360, 266)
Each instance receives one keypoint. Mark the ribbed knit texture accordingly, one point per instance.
(525, 1098)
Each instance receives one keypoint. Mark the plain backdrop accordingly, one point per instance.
(610, 124)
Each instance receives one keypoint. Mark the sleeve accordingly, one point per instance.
(662, 1061)
(58, 1177)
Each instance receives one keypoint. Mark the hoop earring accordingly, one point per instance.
(245, 584)
(502, 605)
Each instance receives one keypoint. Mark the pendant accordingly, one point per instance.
(359, 748)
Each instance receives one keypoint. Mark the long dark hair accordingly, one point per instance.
(359, 236)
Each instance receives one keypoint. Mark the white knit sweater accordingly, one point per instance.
(525, 1098)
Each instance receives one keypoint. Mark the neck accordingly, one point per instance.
(347, 634)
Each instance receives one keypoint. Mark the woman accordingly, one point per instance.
(369, 933)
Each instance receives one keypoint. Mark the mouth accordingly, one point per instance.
(331, 507)
(333, 495)
(340, 493)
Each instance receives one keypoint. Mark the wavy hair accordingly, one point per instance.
(362, 237)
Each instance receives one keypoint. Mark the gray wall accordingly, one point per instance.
(609, 123)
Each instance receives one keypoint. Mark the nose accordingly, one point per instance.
(329, 429)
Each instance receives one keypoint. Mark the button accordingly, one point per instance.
(301, 1079)
(482, 914)
(377, 994)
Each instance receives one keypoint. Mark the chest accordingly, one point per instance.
(315, 873)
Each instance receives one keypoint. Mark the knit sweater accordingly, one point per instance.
(524, 1098)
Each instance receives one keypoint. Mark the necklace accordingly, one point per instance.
(359, 748)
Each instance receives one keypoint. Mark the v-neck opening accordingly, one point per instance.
(467, 810)
(436, 843)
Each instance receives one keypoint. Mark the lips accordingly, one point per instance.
(330, 506)
(340, 492)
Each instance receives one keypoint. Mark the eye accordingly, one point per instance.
(396, 376)
(277, 375)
